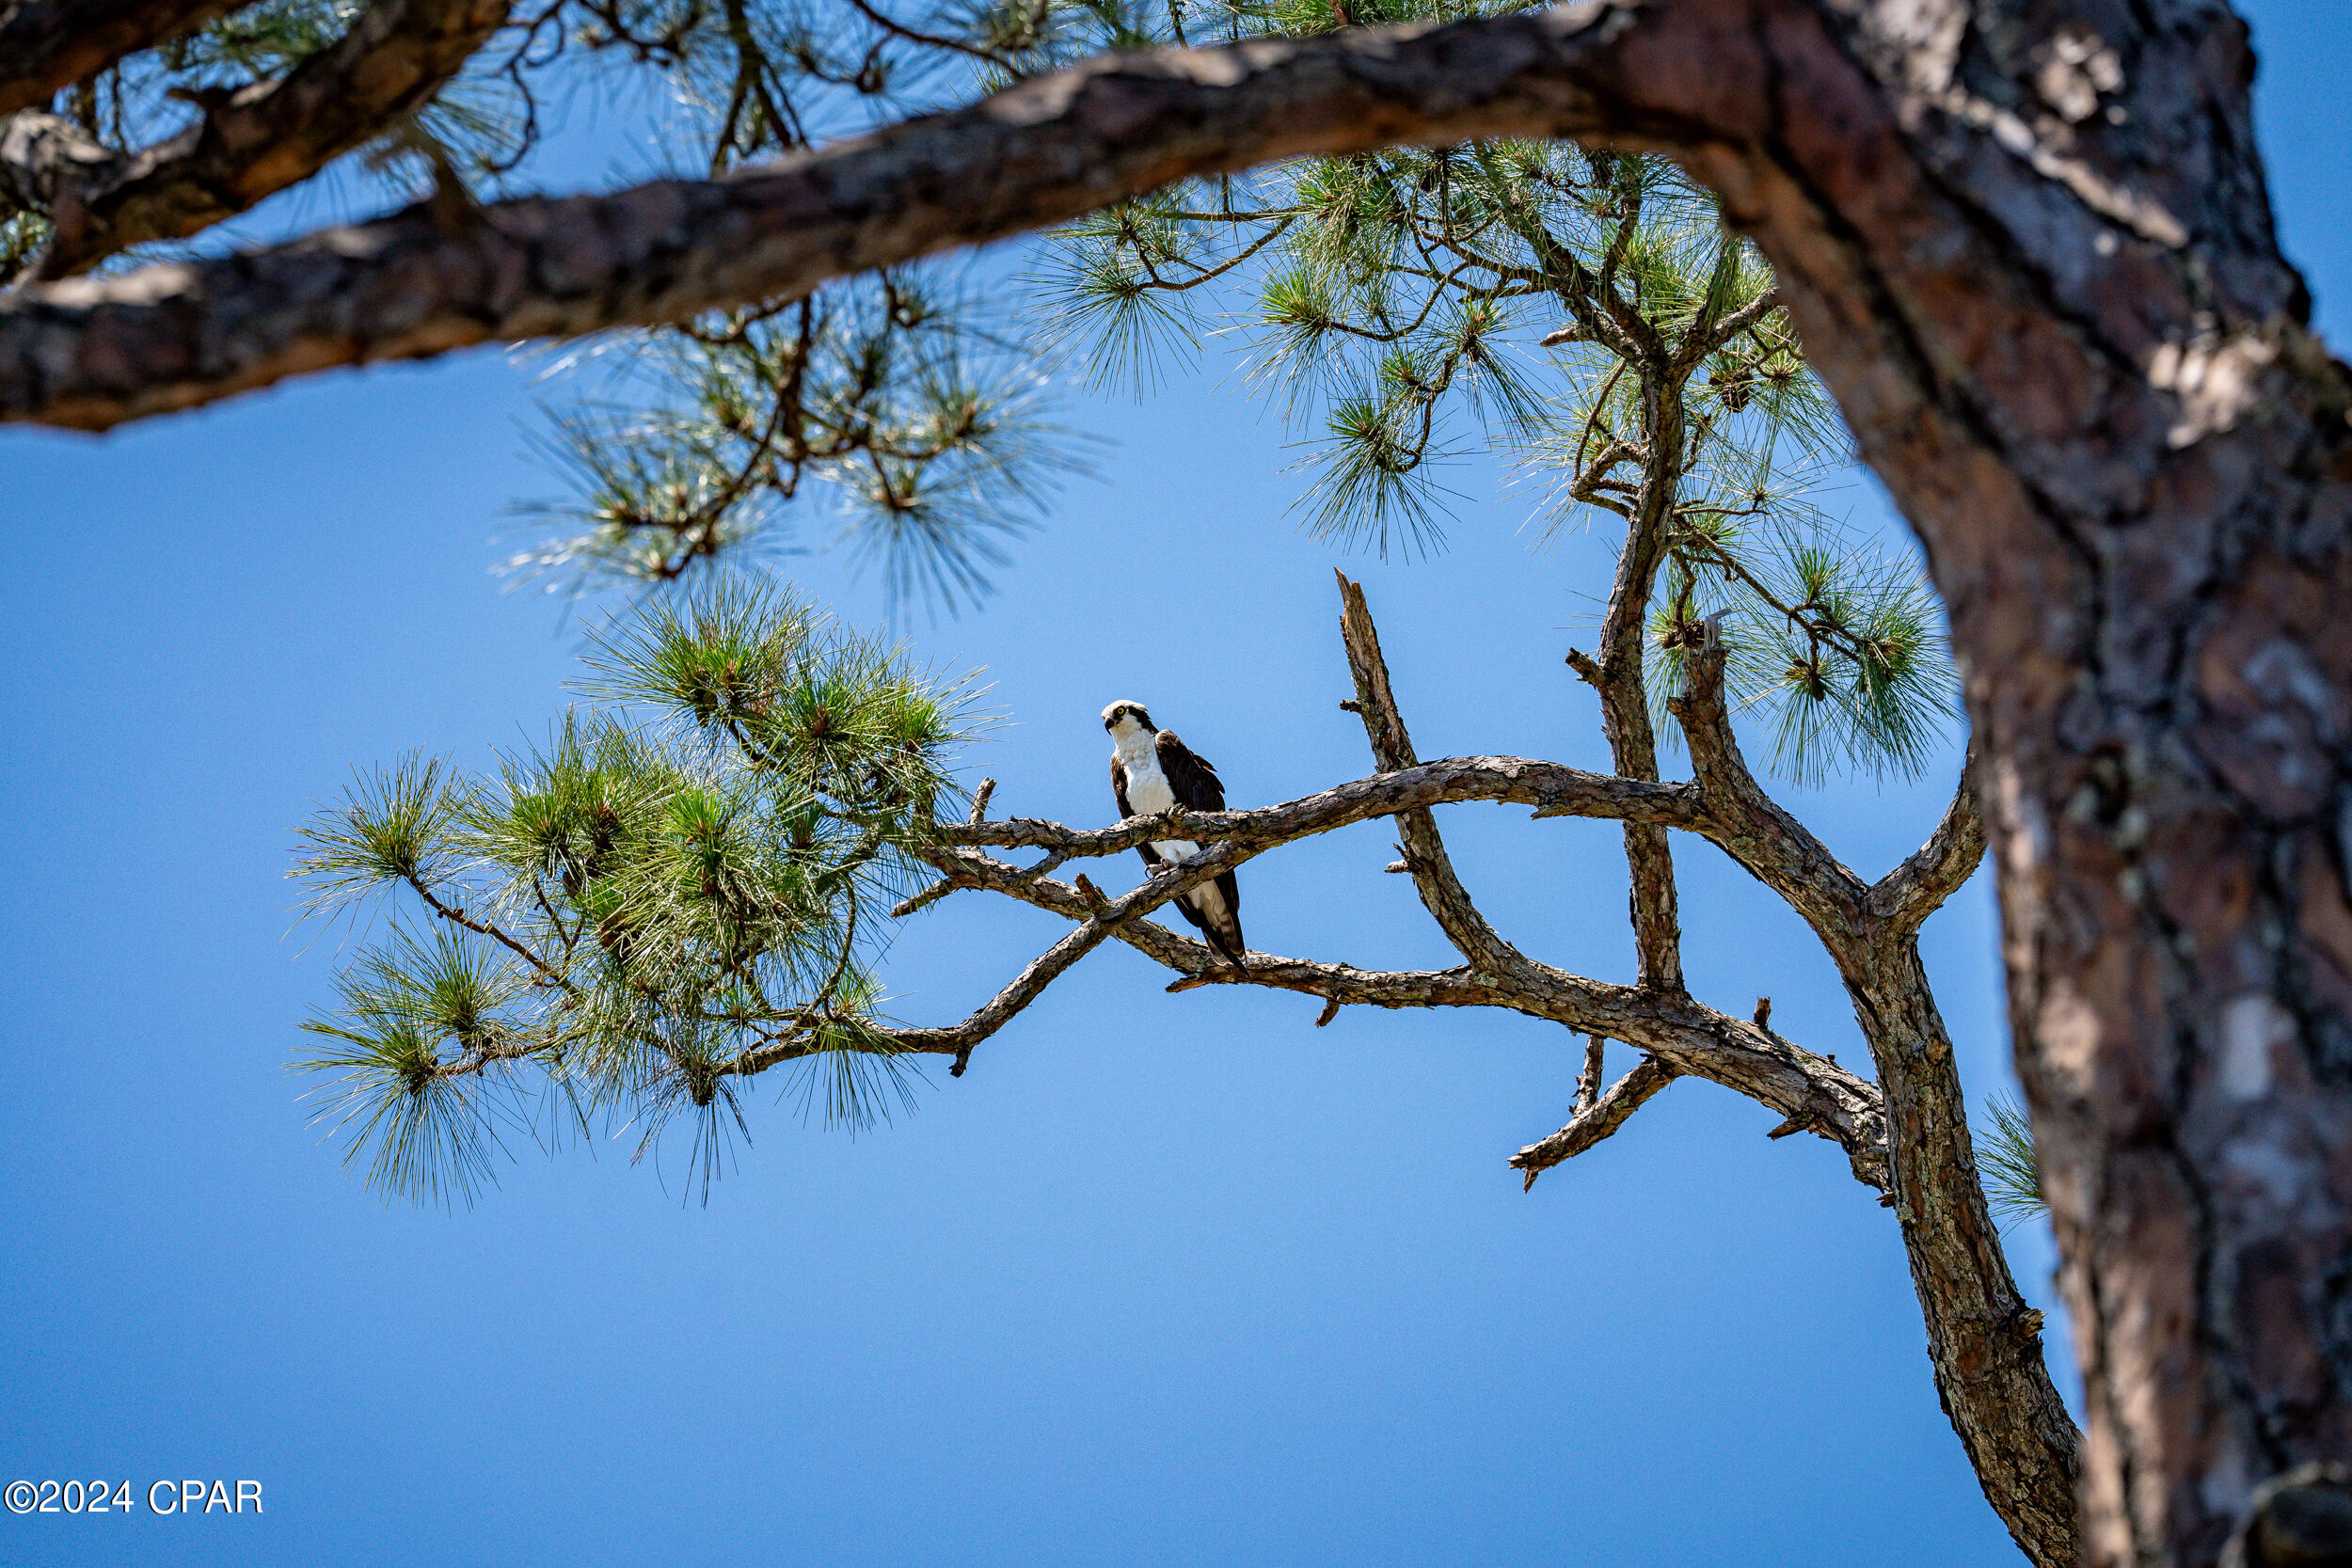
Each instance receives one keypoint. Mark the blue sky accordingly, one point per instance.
(1173, 1280)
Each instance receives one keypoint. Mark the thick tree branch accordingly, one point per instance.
(1551, 788)
(261, 140)
(93, 354)
(47, 45)
(1987, 1359)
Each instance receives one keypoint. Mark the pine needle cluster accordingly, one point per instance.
(683, 884)
(886, 395)
(2010, 1171)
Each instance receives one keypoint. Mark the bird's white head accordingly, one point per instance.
(1125, 719)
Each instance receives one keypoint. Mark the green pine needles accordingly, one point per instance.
(2005, 1163)
(888, 396)
(1585, 314)
(684, 885)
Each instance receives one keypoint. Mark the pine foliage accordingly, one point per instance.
(603, 929)
(2006, 1160)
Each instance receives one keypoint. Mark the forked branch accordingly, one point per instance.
(1594, 1123)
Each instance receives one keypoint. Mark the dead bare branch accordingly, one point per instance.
(1441, 892)
(1588, 1081)
(1595, 1122)
(1691, 1037)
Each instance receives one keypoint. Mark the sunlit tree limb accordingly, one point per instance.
(92, 353)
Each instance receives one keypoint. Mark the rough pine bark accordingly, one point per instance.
(2029, 246)
(1983, 1341)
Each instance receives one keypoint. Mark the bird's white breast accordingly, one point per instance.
(1147, 791)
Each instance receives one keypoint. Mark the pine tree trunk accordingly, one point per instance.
(2030, 248)
(1983, 1341)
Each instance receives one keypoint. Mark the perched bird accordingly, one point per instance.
(1151, 772)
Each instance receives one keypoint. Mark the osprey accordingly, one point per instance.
(1151, 772)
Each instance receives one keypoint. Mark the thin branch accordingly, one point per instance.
(1905, 896)
(1204, 274)
(1595, 1122)
(929, 40)
(456, 915)
(1818, 627)
(1588, 1081)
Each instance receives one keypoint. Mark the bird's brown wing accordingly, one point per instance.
(1193, 782)
(1190, 777)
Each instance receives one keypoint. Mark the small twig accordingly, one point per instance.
(979, 803)
(1092, 894)
(457, 915)
(926, 899)
(1588, 1081)
(1589, 1125)
(1764, 1014)
(1331, 1011)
